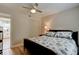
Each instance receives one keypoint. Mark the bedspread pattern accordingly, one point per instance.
(61, 46)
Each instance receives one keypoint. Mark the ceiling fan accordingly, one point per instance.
(33, 8)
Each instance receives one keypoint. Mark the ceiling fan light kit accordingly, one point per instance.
(33, 11)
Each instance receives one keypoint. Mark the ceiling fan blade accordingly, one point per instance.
(26, 7)
(39, 11)
(36, 4)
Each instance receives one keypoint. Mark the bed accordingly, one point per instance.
(36, 48)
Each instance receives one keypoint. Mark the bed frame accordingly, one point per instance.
(36, 49)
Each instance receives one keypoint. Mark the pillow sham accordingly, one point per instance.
(64, 35)
(50, 34)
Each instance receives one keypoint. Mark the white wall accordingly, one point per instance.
(24, 27)
(19, 29)
(68, 20)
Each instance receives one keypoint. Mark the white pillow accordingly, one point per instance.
(51, 34)
(64, 34)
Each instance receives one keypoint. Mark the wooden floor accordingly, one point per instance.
(16, 51)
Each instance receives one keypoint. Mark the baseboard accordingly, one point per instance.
(17, 45)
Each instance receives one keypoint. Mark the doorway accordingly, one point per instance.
(5, 24)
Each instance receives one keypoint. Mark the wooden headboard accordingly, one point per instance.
(74, 34)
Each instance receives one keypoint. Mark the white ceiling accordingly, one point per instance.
(47, 8)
